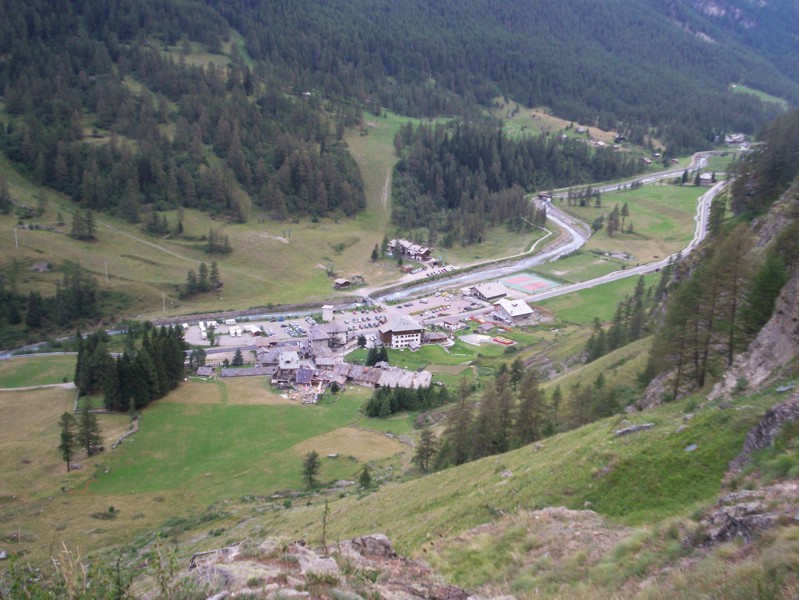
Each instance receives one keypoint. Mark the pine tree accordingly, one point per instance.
(214, 278)
(365, 478)
(238, 358)
(89, 225)
(375, 254)
(554, 406)
(310, 468)
(458, 441)
(531, 416)
(78, 229)
(763, 291)
(613, 222)
(425, 450)
(516, 372)
(202, 278)
(68, 440)
(89, 434)
(192, 286)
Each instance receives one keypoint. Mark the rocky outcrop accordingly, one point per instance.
(774, 348)
(364, 567)
(764, 433)
(655, 392)
(744, 514)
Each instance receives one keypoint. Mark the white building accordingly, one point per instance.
(327, 313)
(401, 332)
(512, 311)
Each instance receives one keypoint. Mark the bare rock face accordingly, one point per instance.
(363, 567)
(654, 393)
(764, 433)
(775, 347)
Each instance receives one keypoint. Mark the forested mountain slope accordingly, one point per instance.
(131, 107)
(615, 64)
(100, 105)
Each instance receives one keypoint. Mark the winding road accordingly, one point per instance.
(573, 237)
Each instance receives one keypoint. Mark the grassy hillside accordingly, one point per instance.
(645, 487)
(272, 263)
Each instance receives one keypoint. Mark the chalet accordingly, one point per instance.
(287, 367)
(486, 328)
(734, 138)
(707, 179)
(341, 283)
(288, 360)
(435, 337)
(489, 292)
(512, 311)
(327, 335)
(401, 332)
(268, 357)
(452, 323)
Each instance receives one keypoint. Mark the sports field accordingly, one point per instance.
(528, 283)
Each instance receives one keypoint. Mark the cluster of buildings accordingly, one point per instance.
(405, 248)
(308, 366)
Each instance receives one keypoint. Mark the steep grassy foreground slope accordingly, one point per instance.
(646, 488)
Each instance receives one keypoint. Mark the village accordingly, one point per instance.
(305, 355)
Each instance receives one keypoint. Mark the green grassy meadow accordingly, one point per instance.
(743, 89)
(580, 266)
(599, 302)
(720, 164)
(22, 372)
(199, 448)
(662, 218)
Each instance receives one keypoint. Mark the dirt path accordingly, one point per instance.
(386, 189)
(64, 386)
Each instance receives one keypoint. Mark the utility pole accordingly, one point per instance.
(163, 300)
(106, 273)
(16, 241)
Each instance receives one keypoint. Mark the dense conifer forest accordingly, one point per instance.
(196, 135)
(622, 65)
(461, 179)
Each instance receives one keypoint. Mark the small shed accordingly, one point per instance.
(205, 372)
(341, 283)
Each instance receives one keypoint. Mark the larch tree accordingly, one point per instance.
(68, 439)
(425, 450)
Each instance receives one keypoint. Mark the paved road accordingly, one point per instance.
(700, 232)
(577, 232)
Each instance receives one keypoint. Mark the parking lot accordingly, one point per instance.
(363, 321)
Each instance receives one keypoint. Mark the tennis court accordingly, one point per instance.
(528, 283)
